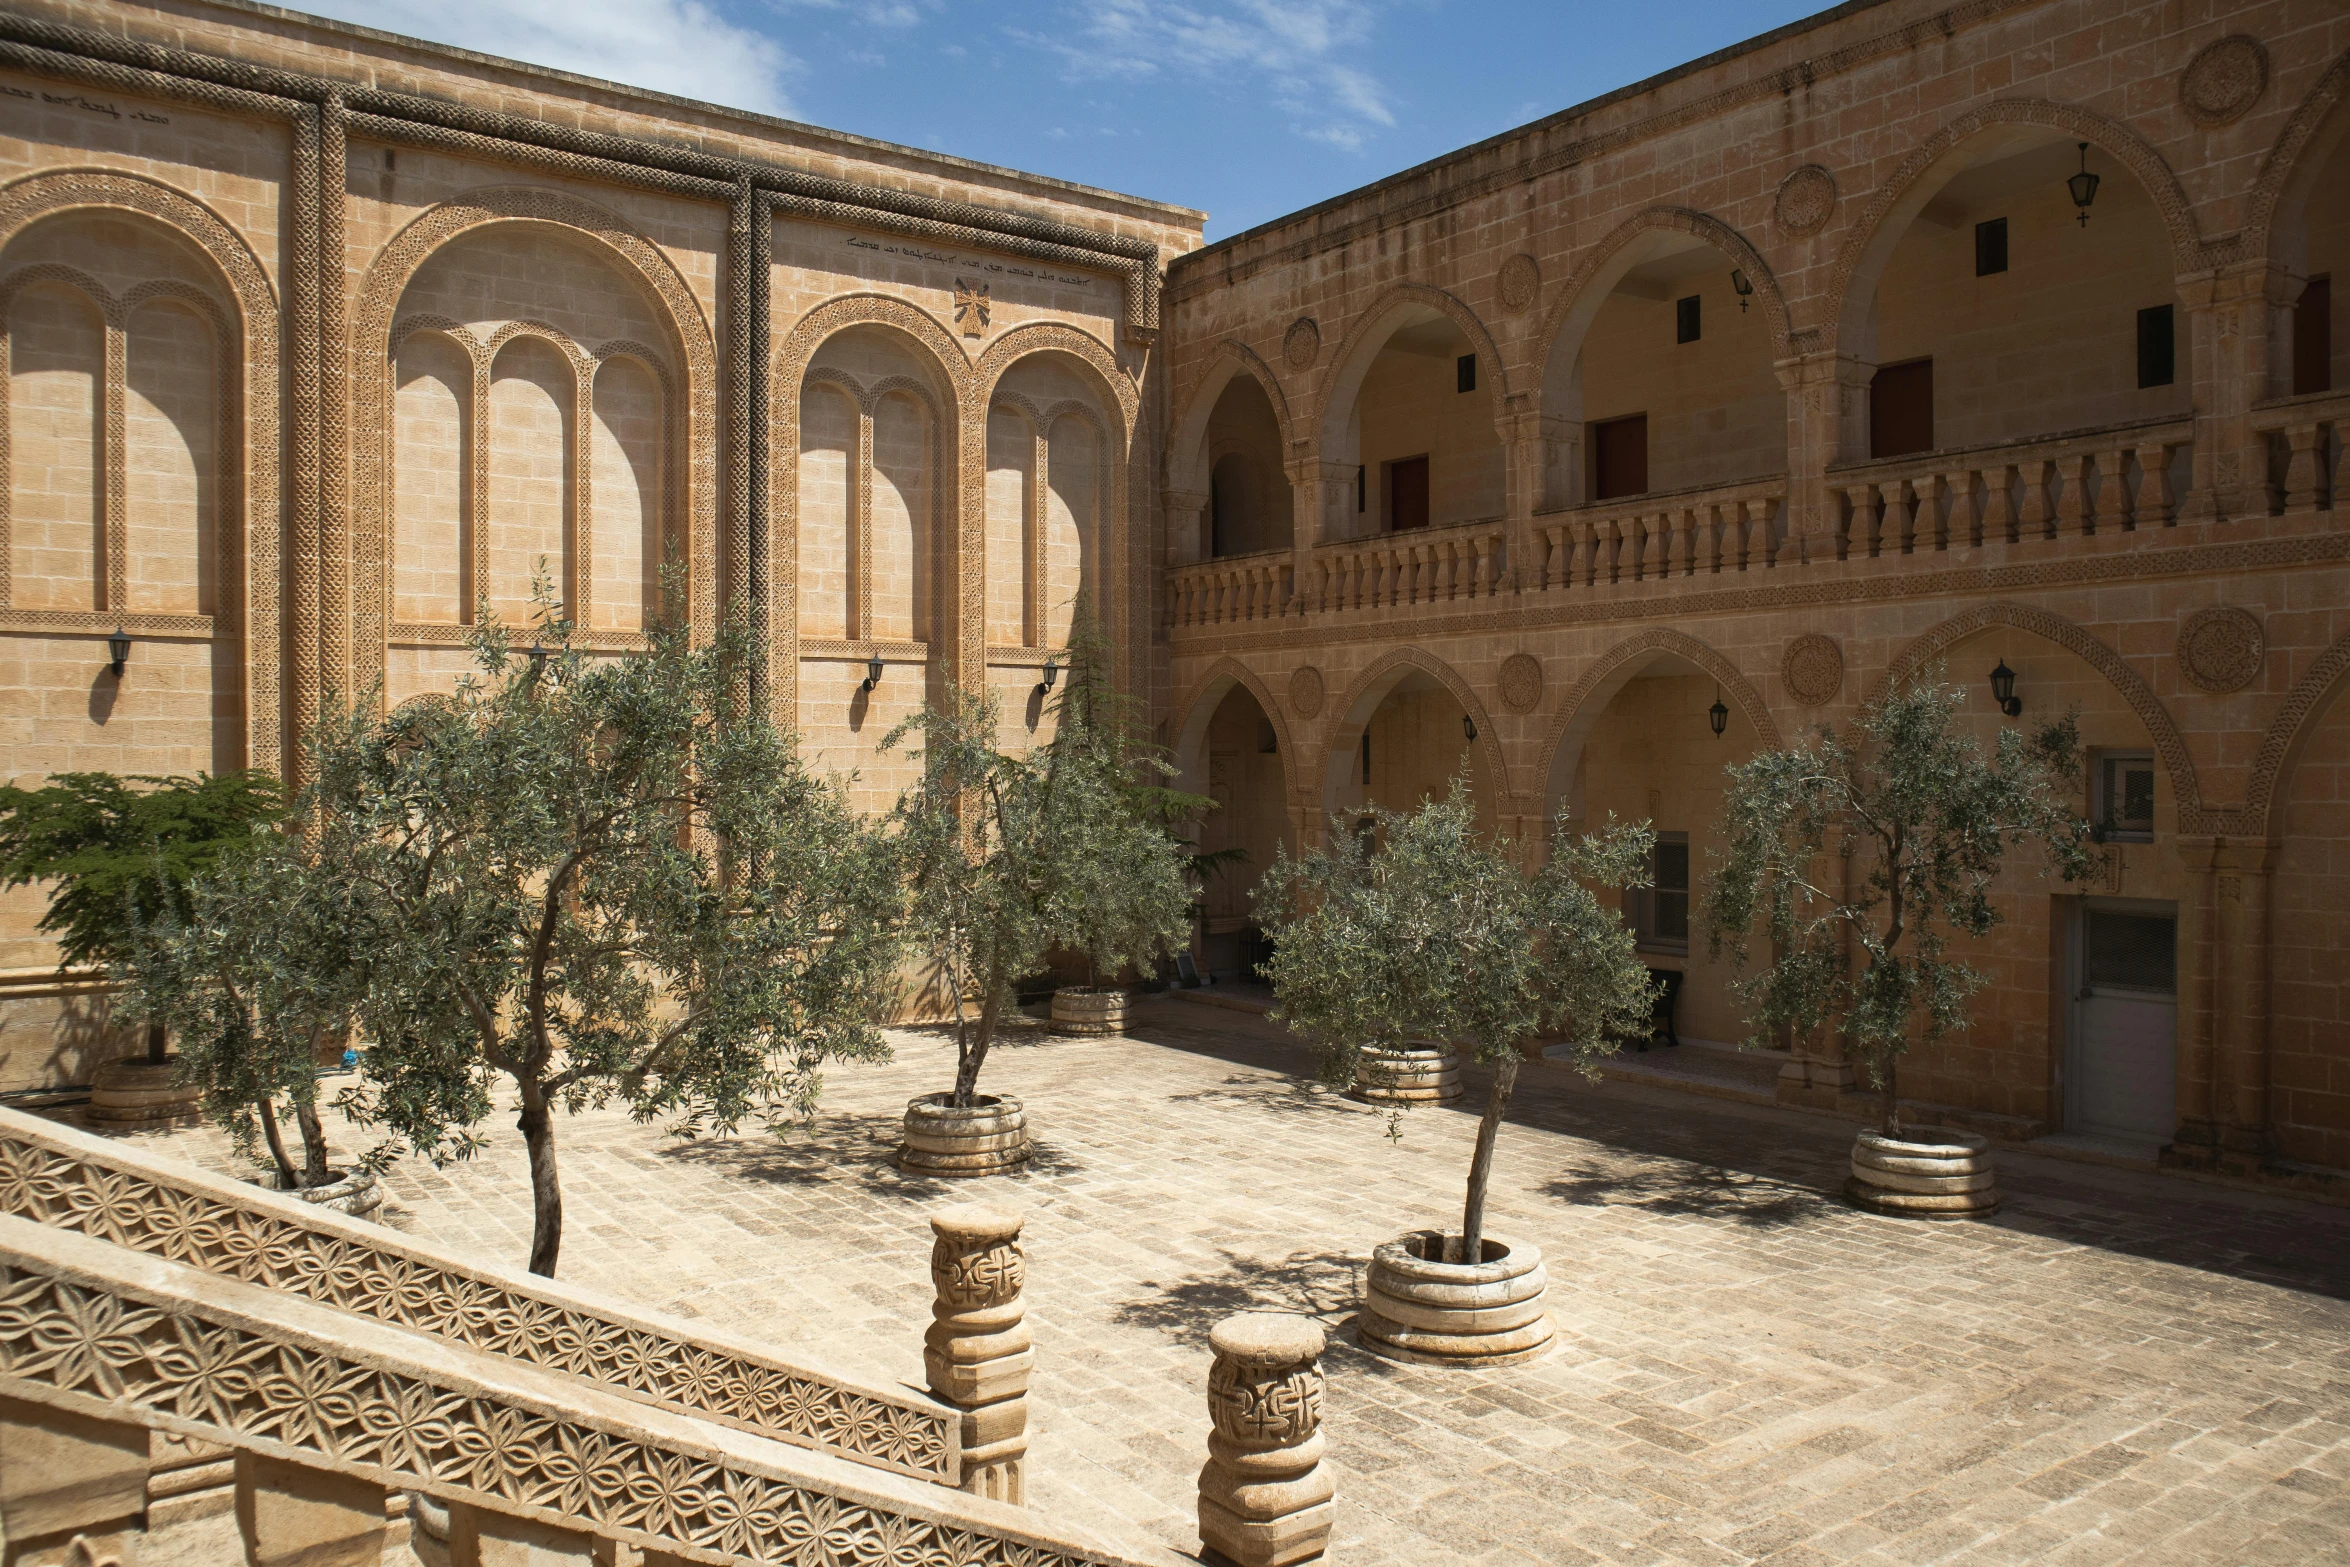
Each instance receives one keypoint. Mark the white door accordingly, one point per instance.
(2123, 1060)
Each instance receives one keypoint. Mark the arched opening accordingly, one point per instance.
(1662, 381)
(532, 458)
(2309, 1023)
(1643, 749)
(1418, 426)
(1249, 499)
(1403, 740)
(1985, 311)
(1236, 761)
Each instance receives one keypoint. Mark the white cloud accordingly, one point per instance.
(1289, 51)
(674, 46)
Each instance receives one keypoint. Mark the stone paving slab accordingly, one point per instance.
(2119, 1368)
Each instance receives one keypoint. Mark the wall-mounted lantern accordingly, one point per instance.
(872, 673)
(118, 651)
(2003, 690)
(1718, 715)
(538, 660)
(1745, 289)
(2083, 186)
(1051, 669)
(1468, 727)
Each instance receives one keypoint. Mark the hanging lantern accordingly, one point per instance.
(2083, 186)
(1745, 289)
(1718, 715)
(1468, 727)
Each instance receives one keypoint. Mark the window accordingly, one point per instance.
(1686, 323)
(1619, 457)
(1660, 913)
(1464, 373)
(1360, 487)
(1366, 758)
(2124, 804)
(2156, 359)
(2122, 951)
(2313, 338)
(1901, 408)
(1991, 247)
(1407, 494)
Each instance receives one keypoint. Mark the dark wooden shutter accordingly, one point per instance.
(1901, 409)
(2313, 338)
(1619, 458)
(1407, 494)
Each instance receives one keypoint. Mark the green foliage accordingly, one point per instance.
(596, 878)
(1887, 842)
(122, 851)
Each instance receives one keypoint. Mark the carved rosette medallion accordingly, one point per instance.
(1255, 1406)
(1807, 199)
(1519, 282)
(1521, 682)
(1305, 692)
(972, 1273)
(2221, 649)
(1813, 670)
(2224, 80)
(1301, 342)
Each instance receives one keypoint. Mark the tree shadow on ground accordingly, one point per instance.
(1322, 1285)
(853, 1147)
(1705, 1191)
(1280, 1093)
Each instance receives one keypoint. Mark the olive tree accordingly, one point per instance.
(593, 879)
(1423, 928)
(1861, 856)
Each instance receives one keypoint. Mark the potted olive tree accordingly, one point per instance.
(1014, 856)
(1921, 821)
(1425, 929)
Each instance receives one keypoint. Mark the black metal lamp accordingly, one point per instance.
(1745, 289)
(872, 673)
(2003, 690)
(1468, 727)
(1051, 669)
(2083, 186)
(118, 651)
(538, 660)
(1718, 715)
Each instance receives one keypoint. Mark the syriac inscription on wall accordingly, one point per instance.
(816, 262)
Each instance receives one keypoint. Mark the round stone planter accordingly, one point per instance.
(355, 1192)
(1416, 1074)
(989, 1138)
(1419, 1308)
(135, 1091)
(1923, 1174)
(1089, 1011)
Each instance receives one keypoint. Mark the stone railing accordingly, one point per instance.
(1233, 588)
(1645, 538)
(1424, 566)
(2089, 482)
(2306, 435)
(70, 1181)
(108, 1355)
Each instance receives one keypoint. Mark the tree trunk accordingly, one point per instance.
(314, 1170)
(158, 1042)
(286, 1179)
(970, 1059)
(537, 1121)
(1892, 1100)
(1505, 1079)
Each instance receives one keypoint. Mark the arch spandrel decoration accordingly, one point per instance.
(1342, 728)
(1604, 676)
(1188, 429)
(2263, 814)
(252, 486)
(379, 297)
(2193, 815)
(1870, 240)
(1343, 377)
(1207, 693)
(1575, 298)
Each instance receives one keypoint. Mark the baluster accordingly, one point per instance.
(2301, 487)
(1353, 593)
(2113, 490)
(1743, 541)
(2033, 522)
(2154, 501)
(1962, 524)
(2072, 496)
(1998, 515)
(1860, 524)
(1266, 1499)
(1419, 574)
(1763, 544)
(1285, 587)
(1487, 581)
(1579, 553)
(1458, 564)
(1395, 584)
(1902, 505)
(976, 1354)
(1553, 539)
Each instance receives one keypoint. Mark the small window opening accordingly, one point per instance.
(1268, 739)
(2313, 337)
(2124, 806)
(1464, 373)
(1366, 758)
(1991, 247)
(1660, 912)
(1361, 489)
(1686, 322)
(2157, 348)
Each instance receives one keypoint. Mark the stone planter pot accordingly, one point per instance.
(1416, 1074)
(1924, 1174)
(1089, 1011)
(1419, 1308)
(990, 1138)
(137, 1092)
(355, 1192)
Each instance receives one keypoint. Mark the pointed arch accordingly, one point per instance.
(1187, 440)
(1879, 225)
(1352, 715)
(1609, 673)
(1370, 332)
(1189, 728)
(2287, 737)
(2294, 158)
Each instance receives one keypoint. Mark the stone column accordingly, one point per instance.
(1525, 464)
(977, 1352)
(1827, 423)
(1265, 1498)
(2229, 314)
(1187, 526)
(2240, 946)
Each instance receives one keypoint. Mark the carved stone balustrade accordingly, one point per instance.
(977, 1350)
(1265, 1497)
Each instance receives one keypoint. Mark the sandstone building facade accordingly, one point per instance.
(1803, 368)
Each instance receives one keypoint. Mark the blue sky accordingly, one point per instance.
(1247, 108)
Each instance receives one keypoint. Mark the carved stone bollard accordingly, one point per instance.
(977, 1350)
(1265, 1498)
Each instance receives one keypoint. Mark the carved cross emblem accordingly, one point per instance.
(971, 305)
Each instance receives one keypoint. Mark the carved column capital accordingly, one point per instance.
(977, 1352)
(1265, 1497)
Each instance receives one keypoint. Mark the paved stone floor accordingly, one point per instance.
(2120, 1368)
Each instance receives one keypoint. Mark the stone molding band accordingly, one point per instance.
(85, 1327)
(73, 1182)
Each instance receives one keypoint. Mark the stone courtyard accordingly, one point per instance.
(2119, 1368)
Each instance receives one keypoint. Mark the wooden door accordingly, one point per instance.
(1619, 457)
(1901, 409)
(1407, 494)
